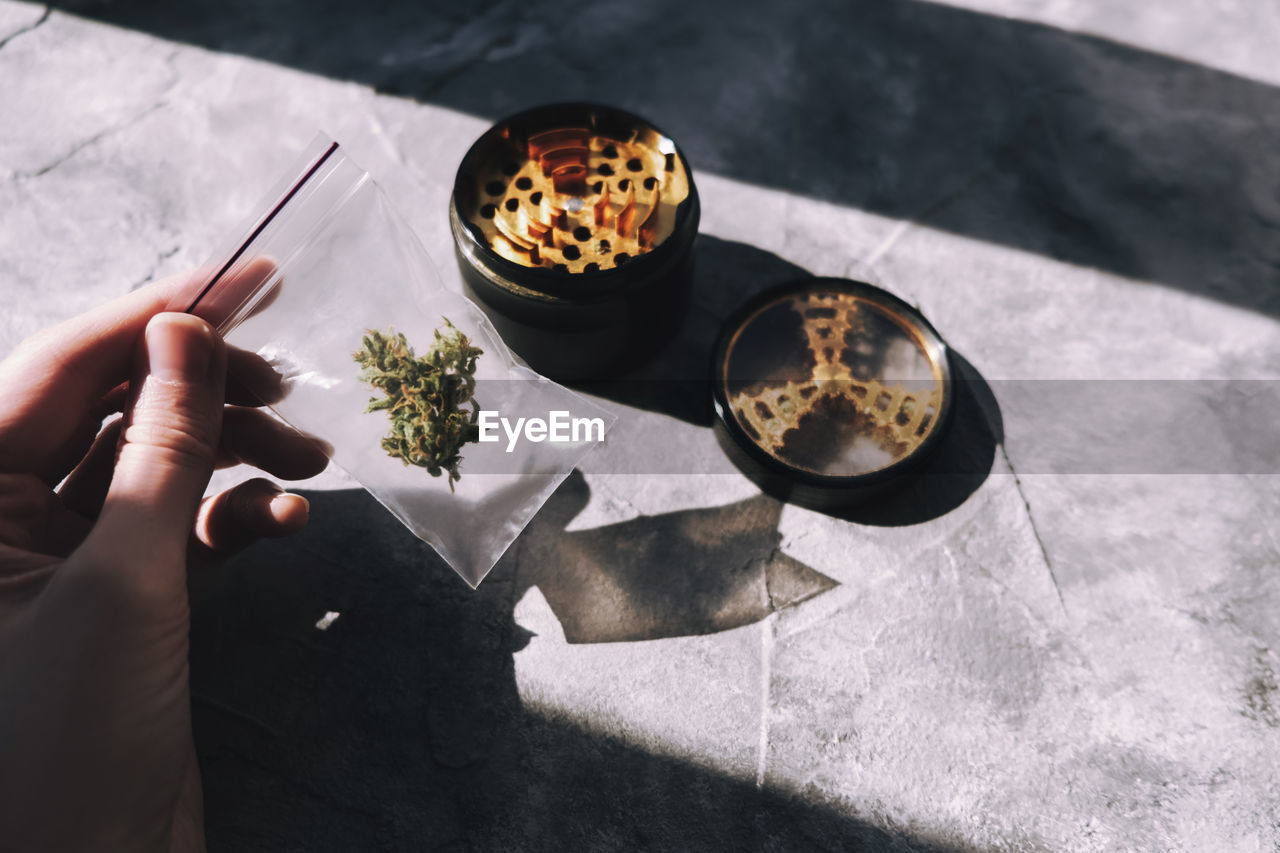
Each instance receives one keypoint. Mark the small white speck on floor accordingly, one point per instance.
(327, 619)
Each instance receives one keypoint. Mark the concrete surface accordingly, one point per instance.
(1077, 656)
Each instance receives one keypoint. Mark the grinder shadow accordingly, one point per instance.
(676, 382)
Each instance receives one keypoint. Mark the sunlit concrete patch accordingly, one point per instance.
(988, 542)
(97, 86)
(1044, 319)
(19, 18)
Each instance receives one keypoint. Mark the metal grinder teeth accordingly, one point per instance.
(774, 415)
(576, 201)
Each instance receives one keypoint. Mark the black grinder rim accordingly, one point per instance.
(540, 284)
(805, 487)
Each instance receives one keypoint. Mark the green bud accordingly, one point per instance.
(426, 397)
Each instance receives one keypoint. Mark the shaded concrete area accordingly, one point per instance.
(400, 727)
(1027, 648)
(1073, 146)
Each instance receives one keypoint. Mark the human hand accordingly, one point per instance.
(95, 723)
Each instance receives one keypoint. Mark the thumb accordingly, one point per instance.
(168, 445)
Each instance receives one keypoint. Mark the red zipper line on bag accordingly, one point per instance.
(280, 205)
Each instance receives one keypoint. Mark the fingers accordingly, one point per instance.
(25, 504)
(245, 370)
(54, 381)
(251, 380)
(255, 438)
(249, 436)
(253, 510)
(23, 574)
(56, 378)
(220, 297)
(86, 487)
(168, 444)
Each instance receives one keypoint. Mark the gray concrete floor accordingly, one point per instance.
(1063, 638)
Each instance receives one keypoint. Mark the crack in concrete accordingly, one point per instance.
(764, 571)
(161, 101)
(323, 797)
(21, 31)
(867, 265)
(1031, 612)
(767, 638)
(1035, 531)
(389, 144)
(505, 37)
(97, 137)
(1034, 99)
(160, 259)
(208, 702)
(175, 76)
(1260, 690)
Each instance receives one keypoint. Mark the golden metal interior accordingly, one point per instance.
(571, 199)
(894, 417)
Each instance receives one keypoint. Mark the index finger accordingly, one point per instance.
(54, 382)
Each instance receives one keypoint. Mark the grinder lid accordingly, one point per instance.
(826, 390)
(558, 198)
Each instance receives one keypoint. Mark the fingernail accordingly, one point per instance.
(179, 347)
(283, 499)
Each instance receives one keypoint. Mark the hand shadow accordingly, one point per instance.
(400, 727)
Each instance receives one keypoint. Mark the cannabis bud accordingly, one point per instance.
(425, 397)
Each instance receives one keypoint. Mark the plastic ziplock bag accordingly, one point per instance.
(328, 269)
